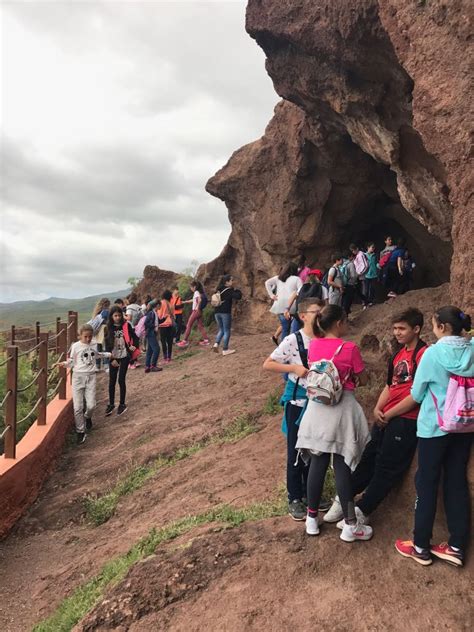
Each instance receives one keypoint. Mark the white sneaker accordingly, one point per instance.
(361, 518)
(215, 347)
(352, 532)
(228, 352)
(335, 512)
(312, 526)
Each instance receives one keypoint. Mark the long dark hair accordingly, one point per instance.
(197, 285)
(451, 315)
(291, 269)
(225, 278)
(327, 318)
(110, 324)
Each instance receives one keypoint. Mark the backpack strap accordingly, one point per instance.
(304, 358)
(421, 344)
(338, 350)
(126, 333)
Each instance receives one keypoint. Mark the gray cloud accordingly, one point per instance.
(94, 190)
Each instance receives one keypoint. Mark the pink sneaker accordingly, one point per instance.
(183, 344)
(204, 343)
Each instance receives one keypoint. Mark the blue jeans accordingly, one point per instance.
(152, 349)
(285, 326)
(224, 322)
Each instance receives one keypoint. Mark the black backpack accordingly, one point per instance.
(309, 290)
(304, 358)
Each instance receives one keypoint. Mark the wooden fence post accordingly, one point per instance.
(37, 332)
(58, 325)
(62, 373)
(12, 338)
(43, 379)
(10, 404)
(72, 328)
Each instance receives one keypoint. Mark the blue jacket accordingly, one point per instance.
(286, 399)
(451, 355)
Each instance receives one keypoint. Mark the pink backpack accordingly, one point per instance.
(140, 327)
(458, 415)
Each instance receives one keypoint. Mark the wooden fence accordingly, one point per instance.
(44, 342)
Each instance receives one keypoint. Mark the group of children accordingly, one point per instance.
(408, 414)
(115, 334)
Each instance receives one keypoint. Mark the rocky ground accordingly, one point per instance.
(216, 571)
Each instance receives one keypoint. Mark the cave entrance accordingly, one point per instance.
(431, 254)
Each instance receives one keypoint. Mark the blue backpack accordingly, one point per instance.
(204, 301)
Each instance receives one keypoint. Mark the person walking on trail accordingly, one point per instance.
(177, 304)
(395, 269)
(282, 290)
(121, 342)
(312, 288)
(166, 325)
(100, 316)
(350, 280)
(199, 302)
(339, 430)
(82, 358)
(443, 385)
(335, 281)
(370, 278)
(222, 302)
(152, 345)
(291, 357)
(361, 264)
(392, 447)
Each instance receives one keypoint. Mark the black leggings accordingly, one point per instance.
(121, 372)
(317, 473)
(167, 334)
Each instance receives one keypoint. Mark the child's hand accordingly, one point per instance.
(275, 297)
(132, 348)
(300, 371)
(380, 419)
(114, 363)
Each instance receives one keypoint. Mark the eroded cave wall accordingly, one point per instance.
(344, 154)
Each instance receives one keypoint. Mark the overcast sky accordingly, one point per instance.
(114, 115)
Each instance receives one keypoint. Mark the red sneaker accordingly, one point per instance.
(407, 549)
(448, 554)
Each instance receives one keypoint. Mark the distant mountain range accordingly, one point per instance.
(23, 313)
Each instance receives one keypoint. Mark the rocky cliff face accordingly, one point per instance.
(371, 137)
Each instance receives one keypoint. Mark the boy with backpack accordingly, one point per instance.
(361, 264)
(390, 452)
(350, 279)
(291, 357)
(335, 281)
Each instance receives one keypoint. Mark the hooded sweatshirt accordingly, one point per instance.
(451, 355)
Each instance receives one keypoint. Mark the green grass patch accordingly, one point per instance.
(83, 599)
(272, 404)
(185, 355)
(100, 508)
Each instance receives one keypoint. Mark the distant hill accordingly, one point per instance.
(24, 313)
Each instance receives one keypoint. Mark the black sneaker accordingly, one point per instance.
(324, 504)
(88, 423)
(109, 410)
(297, 510)
(80, 437)
(121, 409)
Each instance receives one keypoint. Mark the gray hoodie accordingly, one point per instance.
(451, 355)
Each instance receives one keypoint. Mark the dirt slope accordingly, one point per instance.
(262, 574)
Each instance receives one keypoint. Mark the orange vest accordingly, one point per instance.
(165, 312)
(177, 303)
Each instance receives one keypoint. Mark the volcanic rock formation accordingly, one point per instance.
(371, 137)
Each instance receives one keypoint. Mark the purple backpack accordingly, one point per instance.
(458, 414)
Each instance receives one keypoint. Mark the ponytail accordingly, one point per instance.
(453, 316)
(326, 319)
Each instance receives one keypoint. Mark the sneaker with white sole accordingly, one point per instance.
(334, 514)
(215, 347)
(353, 532)
(228, 352)
(312, 527)
(360, 516)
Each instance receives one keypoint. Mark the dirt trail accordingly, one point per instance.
(274, 576)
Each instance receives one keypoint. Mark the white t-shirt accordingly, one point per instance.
(82, 357)
(196, 297)
(287, 353)
(284, 291)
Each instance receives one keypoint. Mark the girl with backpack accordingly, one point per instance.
(121, 342)
(199, 302)
(222, 303)
(152, 346)
(166, 325)
(282, 290)
(445, 374)
(339, 430)
(100, 315)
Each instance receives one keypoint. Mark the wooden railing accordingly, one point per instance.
(60, 342)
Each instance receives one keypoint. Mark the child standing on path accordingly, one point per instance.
(223, 312)
(283, 290)
(82, 359)
(292, 357)
(152, 345)
(120, 342)
(441, 452)
(368, 284)
(199, 302)
(340, 430)
(166, 325)
(177, 304)
(392, 447)
(335, 281)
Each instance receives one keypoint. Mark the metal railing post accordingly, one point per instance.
(10, 404)
(62, 373)
(43, 379)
